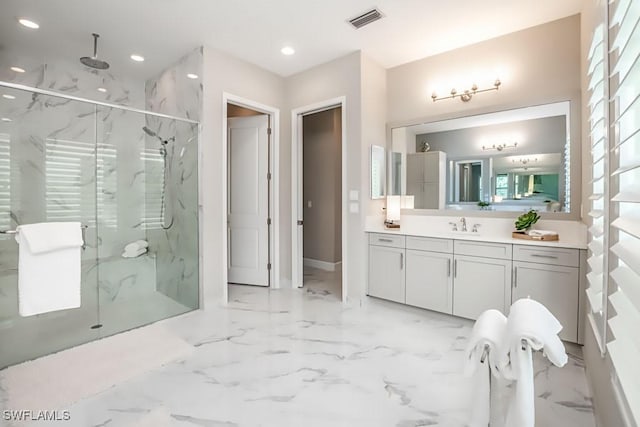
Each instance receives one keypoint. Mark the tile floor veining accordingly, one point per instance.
(301, 358)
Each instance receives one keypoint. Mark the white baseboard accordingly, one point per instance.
(322, 265)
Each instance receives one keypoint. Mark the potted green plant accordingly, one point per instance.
(526, 220)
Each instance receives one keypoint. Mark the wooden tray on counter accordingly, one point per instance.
(522, 235)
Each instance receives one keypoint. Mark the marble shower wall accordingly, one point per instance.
(176, 244)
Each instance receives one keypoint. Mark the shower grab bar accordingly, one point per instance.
(82, 226)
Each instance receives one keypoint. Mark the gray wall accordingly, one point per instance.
(322, 165)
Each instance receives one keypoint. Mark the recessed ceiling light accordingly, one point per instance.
(29, 23)
(287, 50)
(192, 76)
(101, 89)
(137, 58)
(7, 96)
(17, 69)
(6, 119)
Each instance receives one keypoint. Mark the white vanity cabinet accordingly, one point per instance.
(482, 278)
(429, 273)
(552, 279)
(386, 267)
(466, 277)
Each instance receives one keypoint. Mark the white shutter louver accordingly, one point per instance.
(154, 188)
(5, 181)
(598, 200)
(624, 262)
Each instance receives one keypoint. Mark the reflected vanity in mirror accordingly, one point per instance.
(512, 160)
(377, 172)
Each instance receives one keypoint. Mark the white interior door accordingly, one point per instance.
(247, 204)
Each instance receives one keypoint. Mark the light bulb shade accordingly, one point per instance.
(393, 208)
(408, 202)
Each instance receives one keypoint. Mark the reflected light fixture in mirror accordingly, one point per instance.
(393, 212)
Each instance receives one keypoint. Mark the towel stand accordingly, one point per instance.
(82, 226)
(485, 351)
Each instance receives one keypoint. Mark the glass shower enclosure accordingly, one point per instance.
(129, 176)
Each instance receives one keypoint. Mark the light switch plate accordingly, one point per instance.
(353, 195)
(354, 208)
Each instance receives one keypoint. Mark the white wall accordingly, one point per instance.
(223, 73)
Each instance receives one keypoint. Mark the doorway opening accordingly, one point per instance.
(249, 201)
(318, 167)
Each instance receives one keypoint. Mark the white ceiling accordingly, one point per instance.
(255, 30)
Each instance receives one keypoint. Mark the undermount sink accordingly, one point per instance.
(458, 233)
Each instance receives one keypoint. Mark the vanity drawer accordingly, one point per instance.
(543, 255)
(483, 249)
(430, 244)
(390, 240)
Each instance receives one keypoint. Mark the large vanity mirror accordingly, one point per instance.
(511, 160)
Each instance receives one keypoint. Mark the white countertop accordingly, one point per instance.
(572, 234)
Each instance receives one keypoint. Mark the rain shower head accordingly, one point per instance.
(93, 61)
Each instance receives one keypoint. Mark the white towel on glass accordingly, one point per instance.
(49, 273)
(489, 331)
(532, 322)
(136, 246)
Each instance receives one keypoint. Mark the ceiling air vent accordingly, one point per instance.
(366, 18)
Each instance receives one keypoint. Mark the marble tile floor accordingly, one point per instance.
(301, 358)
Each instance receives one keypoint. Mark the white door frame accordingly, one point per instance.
(274, 161)
(296, 179)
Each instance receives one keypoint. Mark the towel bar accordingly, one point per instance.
(16, 231)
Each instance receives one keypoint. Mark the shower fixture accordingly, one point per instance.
(166, 171)
(93, 61)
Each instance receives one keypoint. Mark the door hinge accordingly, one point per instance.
(268, 176)
(300, 222)
(268, 221)
(268, 131)
(269, 266)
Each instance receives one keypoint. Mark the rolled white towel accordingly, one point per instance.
(134, 254)
(137, 245)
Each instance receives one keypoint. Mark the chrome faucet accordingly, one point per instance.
(464, 224)
(454, 226)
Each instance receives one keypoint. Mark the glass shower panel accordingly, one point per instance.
(147, 218)
(47, 173)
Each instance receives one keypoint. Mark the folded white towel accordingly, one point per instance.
(49, 275)
(137, 245)
(488, 331)
(50, 236)
(134, 254)
(540, 233)
(532, 322)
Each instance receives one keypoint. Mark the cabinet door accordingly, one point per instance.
(556, 287)
(429, 280)
(415, 168)
(386, 273)
(480, 284)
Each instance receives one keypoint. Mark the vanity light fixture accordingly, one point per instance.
(500, 147)
(524, 160)
(467, 94)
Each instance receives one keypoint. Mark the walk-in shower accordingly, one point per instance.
(113, 169)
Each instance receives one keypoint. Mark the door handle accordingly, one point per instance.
(300, 222)
(401, 261)
(449, 268)
(544, 256)
(515, 277)
(385, 240)
(455, 268)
